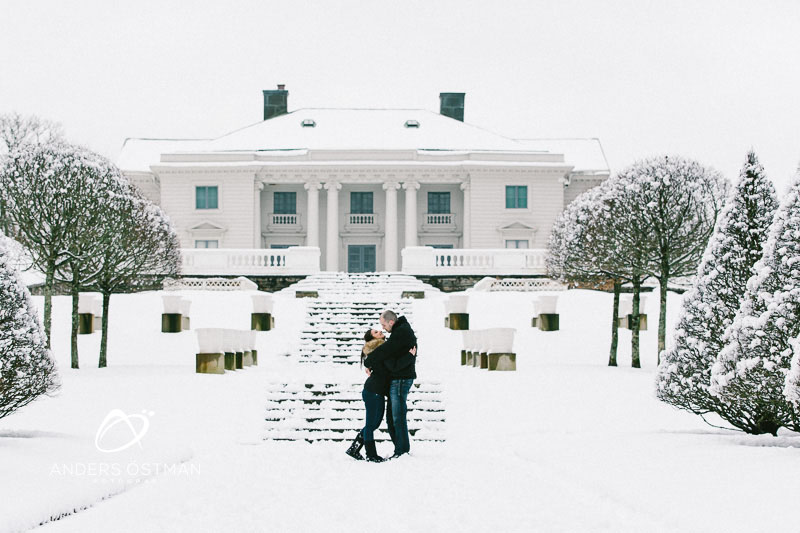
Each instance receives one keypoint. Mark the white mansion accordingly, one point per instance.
(361, 190)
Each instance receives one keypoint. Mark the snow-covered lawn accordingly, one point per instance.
(563, 444)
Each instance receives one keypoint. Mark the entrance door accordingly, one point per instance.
(361, 258)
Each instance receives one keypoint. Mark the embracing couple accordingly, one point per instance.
(391, 367)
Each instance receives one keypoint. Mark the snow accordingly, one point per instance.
(138, 154)
(563, 444)
(366, 131)
(586, 155)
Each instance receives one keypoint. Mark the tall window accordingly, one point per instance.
(439, 202)
(206, 244)
(361, 203)
(516, 196)
(285, 203)
(516, 243)
(206, 197)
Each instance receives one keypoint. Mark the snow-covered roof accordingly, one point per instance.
(585, 154)
(370, 129)
(139, 154)
(363, 129)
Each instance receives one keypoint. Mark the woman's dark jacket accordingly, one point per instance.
(378, 381)
(394, 353)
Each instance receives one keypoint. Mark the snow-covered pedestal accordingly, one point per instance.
(625, 318)
(251, 344)
(210, 357)
(261, 317)
(247, 347)
(501, 355)
(185, 306)
(545, 312)
(89, 313)
(229, 343)
(457, 316)
(171, 319)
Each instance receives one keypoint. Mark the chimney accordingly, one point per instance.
(452, 105)
(275, 102)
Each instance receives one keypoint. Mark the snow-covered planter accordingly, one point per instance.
(545, 304)
(185, 306)
(501, 349)
(456, 307)
(625, 317)
(501, 340)
(230, 343)
(262, 303)
(251, 347)
(90, 310)
(210, 357)
(261, 317)
(172, 304)
(466, 345)
(545, 312)
(171, 321)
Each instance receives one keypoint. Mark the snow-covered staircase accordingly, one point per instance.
(330, 341)
(335, 411)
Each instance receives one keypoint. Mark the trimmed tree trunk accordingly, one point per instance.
(48, 299)
(74, 291)
(635, 363)
(612, 356)
(662, 316)
(104, 335)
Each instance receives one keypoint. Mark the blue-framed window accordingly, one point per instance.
(206, 243)
(361, 203)
(516, 196)
(281, 246)
(206, 197)
(285, 203)
(516, 243)
(439, 202)
(441, 246)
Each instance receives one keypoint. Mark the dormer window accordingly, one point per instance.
(309, 123)
(412, 124)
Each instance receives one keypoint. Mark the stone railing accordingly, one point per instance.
(277, 219)
(361, 219)
(424, 260)
(518, 285)
(439, 219)
(297, 260)
(210, 284)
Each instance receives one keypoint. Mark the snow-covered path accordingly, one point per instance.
(563, 444)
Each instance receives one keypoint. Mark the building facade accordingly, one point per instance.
(362, 185)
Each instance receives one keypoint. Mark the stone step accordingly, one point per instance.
(381, 435)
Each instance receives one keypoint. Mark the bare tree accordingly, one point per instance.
(140, 245)
(677, 201)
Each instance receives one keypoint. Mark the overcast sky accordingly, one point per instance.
(707, 80)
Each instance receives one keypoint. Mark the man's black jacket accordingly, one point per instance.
(394, 353)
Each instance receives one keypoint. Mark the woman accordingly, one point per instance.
(376, 389)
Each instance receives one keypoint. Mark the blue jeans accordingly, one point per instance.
(398, 395)
(374, 407)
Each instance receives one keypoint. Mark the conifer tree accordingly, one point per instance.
(710, 306)
(750, 372)
(26, 368)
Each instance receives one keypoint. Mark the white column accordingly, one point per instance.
(467, 232)
(411, 212)
(259, 186)
(332, 259)
(312, 232)
(391, 226)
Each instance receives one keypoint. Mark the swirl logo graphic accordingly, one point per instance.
(116, 417)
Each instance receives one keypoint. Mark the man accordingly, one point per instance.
(398, 359)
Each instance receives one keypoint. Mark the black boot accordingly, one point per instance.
(372, 454)
(354, 450)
